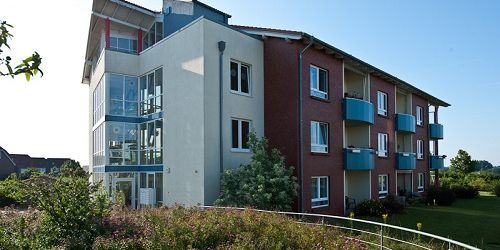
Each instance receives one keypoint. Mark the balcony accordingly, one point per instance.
(358, 110)
(435, 131)
(359, 159)
(437, 162)
(406, 161)
(405, 123)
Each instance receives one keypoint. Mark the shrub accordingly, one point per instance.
(266, 183)
(20, 230)
(443, 197)
(181, 228)
(72, 209)
(371, 207)
(12, 192)
(464, 191)
(497, 190)
(392, 205)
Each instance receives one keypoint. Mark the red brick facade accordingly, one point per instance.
(281, 65)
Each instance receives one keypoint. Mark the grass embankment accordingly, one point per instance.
(472, 221)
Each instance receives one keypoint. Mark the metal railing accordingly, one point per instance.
(375, 234)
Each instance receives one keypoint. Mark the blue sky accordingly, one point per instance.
(450, 49)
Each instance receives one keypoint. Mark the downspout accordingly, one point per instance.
(301, 124)
(222, 47)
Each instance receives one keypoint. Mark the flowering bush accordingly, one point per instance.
(182, 228)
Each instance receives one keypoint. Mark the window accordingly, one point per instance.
(382, 145)
(151, 92)
(98, 144)
(421, 182)
(153, 180)
(319, 137)
(98, 101)
(154, 35)
(123, 44)
(240, 129)
(151, 142)
(382, 103)
(319, 190)
(240, 78)
(420, 116)
(420, 149)
(383, 187)
(431, 148)
(319, 82)
(122, 143)
(122, 95)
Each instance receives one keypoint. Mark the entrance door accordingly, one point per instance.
(124, 190)
(404, 184)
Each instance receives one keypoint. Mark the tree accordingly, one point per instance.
(29, 66)
(482, 165)
(69, 168)
(266, 183)
(462, 163)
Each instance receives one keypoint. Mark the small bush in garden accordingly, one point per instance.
(12, 192)
(464, 191)
(266, 183)
(20, 230)
(443, 196)
(371, 207)
(497, 190)
(392, 205)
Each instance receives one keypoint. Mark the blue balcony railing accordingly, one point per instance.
(359, 159)
(405, 123)
(435, 131)
(406, 161)
(437, 162)
(358, 110)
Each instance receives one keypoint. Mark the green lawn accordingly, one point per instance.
(472, 221)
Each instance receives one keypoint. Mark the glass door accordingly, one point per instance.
(124, 191)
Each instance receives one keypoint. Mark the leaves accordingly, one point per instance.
(29, 66)
(265, 183)
(462, 163)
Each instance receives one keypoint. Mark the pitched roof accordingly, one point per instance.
(298, 35)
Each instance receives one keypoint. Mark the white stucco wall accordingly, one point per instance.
(245, 49)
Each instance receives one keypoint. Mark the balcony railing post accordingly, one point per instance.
(381, 237)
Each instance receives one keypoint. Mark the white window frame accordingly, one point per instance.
(421, 182)
(315, 91)
(249, 70)
(382, 103)
(420, 115)
(240, 148)
(317, 179)
(315, 146)
(383, 193)
(420, 149)
(382, 151)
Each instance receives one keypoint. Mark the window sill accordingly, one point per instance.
(382, 156)
(240, 150)
(240, 93)
(320, 153)
(420, 191)
(383, 116)
(320, 99)
(382, 195)
(320, 206)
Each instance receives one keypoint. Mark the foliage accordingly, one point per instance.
(392, 205)
(72, 209)
(12, 192)
(462, 163)
(181, 228)
(481, 165)
(266, 183)
(373, 207)
(497, 190)
(20, 230)
(484, 181)
(464, 191)
(70, 168)
(442, 196)
(30, 172)
(29, 66)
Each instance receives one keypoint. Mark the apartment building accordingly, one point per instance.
(174, 94)
(354, 131)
